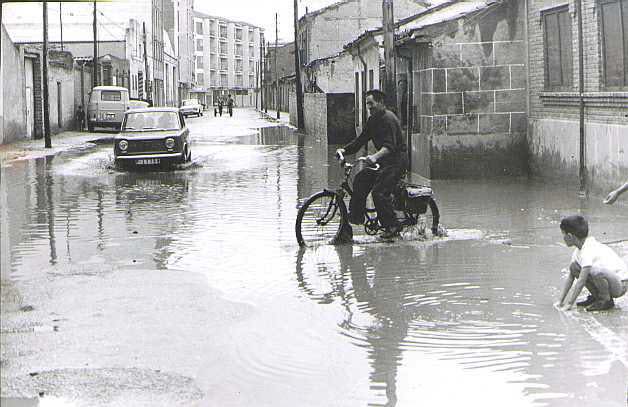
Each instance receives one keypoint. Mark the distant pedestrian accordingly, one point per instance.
(220, 107)
(594, 266)
(613, 195)
(230, 105)
(80, 118)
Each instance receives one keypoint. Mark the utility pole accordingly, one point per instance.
(148, 96)
(297, 71)
(388, 24)
(44, 79)
(265, 78)
(261, 74)
(276, 72)
(95, 62)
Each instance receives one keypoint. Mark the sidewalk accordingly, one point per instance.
(66, 140)
(284, 117)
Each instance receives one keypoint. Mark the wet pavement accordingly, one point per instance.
(187, 287)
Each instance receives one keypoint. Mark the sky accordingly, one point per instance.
(256, 12)
(262, 13)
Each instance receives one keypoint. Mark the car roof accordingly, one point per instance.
(155, 109)
(110, 88)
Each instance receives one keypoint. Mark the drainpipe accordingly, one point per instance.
(582, 170)
(363, 98)
(409, 97)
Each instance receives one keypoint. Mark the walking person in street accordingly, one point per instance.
(230, 105)
(594, 266)
(80, 118)
(384, 131)
(220, 106)
(613, 195)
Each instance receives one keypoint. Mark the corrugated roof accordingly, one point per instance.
(446, 12)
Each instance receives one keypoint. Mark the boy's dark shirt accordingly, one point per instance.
(384, 130)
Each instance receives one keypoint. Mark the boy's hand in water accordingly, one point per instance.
(611, 198)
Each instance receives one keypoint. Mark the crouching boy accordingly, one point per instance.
(594, 266)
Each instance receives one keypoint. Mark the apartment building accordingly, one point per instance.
(226, 54)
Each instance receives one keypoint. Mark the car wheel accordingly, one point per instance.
(189, 156)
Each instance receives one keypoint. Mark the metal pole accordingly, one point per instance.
(61, 24)
(44, 80)
(147, 95)
(297, 71)
(95, 61)
(276, 75)
(388, 23)
(582, 171)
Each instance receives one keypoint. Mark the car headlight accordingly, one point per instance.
(123, 144)
(169, 143)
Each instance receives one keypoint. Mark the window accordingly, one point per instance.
(239, 81)
(223, 80)
(110, 95)
(224, 64)
(238, 34)
(238, 50)
(238, 64)
(558, 49)
(200, 78)
(251, 51)
(199, 45)
(223, 48)
(199, 62)
(199, 27)
(251, 66)
(223, 31)
(614, 15)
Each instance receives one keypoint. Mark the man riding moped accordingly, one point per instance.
(384, 131)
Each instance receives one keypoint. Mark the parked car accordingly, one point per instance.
(138, 104)
(153, 136)
(106, 107)
(191, 107)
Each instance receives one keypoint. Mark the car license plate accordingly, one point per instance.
(110, 116)
(147, 161)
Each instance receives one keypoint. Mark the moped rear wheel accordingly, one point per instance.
(320, 219)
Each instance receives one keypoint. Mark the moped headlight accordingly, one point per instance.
(123, 144)
(169, 143)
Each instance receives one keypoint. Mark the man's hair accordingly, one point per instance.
(377, 94)
(576, 225)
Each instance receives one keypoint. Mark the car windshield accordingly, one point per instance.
(188, 102)
(144, 121)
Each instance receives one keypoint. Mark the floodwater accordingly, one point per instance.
(194, 277)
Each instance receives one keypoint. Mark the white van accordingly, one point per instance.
(106, 107)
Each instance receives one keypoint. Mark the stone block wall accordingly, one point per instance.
(554, 140)
(473, 92)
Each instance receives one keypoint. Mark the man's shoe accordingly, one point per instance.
(601, 305)
(391, 232)
(590, 300)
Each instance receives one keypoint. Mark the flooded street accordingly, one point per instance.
(187, 287)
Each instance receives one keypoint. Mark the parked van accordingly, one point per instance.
(106, 107)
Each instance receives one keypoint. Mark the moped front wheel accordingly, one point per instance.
(320, 219)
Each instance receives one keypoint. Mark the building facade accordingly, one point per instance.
(554, 121)
(226, 57)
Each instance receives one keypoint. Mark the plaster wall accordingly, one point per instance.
(13, 111)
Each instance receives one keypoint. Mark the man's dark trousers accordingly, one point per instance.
(382, 183)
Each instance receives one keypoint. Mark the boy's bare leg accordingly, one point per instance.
(601, 286)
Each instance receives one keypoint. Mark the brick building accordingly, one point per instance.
(554, 120)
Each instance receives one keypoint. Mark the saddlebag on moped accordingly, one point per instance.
(417, 198)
